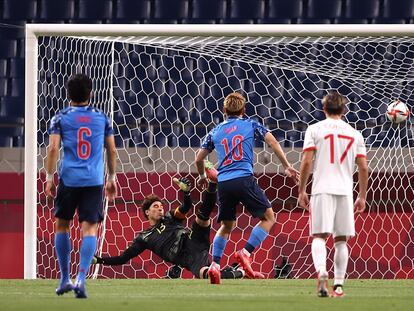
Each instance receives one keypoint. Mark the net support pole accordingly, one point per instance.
(30, 156)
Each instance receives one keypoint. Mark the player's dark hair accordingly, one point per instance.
(334, 103)
(148, 200)
(79, 87)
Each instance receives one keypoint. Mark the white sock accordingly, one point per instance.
(340, 262)
(246, 252)
(319, 254)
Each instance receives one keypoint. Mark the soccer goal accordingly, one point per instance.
(163, 86)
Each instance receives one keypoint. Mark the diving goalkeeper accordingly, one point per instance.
(168, 238)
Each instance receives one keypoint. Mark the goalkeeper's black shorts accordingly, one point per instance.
(197, 249)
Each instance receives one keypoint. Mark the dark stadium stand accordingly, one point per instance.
(11, 106)
(285, 9)
(19, 10)
(8, 48)
(240, 9)
(398, 9)
(357, 9)
(324, 9)
(3, 87)
(177, 9)
(94, 10)
(56, 10)
(209, 9)
(146, 74)
(3, 68)
(132, 10)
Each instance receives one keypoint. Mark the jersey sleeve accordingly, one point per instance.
(259, 130)
(55, 127)
(136, 248)
(208, 142)
(108, 127)
(180, 212)
(309, 142)
(361, 148)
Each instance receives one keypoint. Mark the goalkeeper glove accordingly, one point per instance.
(183, 183)
(96, 260)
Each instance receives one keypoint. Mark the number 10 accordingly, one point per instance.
(236, 156)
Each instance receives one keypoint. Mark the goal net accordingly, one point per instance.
(165, 92)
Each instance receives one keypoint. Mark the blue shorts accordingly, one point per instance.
(88, 201)
(243, 190)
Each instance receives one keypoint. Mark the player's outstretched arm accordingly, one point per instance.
(277, 149)
(305, 171)
(363, 184)
(51, 160)
(133, 251)
(110, 187)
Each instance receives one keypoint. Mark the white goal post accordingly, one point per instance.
(290, 52)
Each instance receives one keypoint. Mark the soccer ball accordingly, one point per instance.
(211, 171)
(397, 111)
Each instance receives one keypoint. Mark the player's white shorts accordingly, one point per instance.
(332, 214)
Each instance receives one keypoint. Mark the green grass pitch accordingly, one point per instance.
(198, 295)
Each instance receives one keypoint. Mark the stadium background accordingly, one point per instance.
(14, 14)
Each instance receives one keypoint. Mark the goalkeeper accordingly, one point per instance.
(171, 240)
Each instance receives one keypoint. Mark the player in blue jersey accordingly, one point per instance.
(83, 131)
(233, 140)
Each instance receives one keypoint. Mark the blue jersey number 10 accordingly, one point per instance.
(236, 149)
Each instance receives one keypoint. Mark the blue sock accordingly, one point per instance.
(63, 248)
(256, 238)
(87, 251)
(219, 244)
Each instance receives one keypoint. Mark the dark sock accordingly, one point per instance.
(208, 203)
(250, 248)
(205, 274)
(187, 204)
(231, 274)
(212, 187)
(227, 273)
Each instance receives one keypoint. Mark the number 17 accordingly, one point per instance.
(332, 146)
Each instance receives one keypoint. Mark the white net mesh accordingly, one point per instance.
(165, 93)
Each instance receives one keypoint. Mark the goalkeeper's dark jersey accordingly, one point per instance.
(170, 240)
(165, 239)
